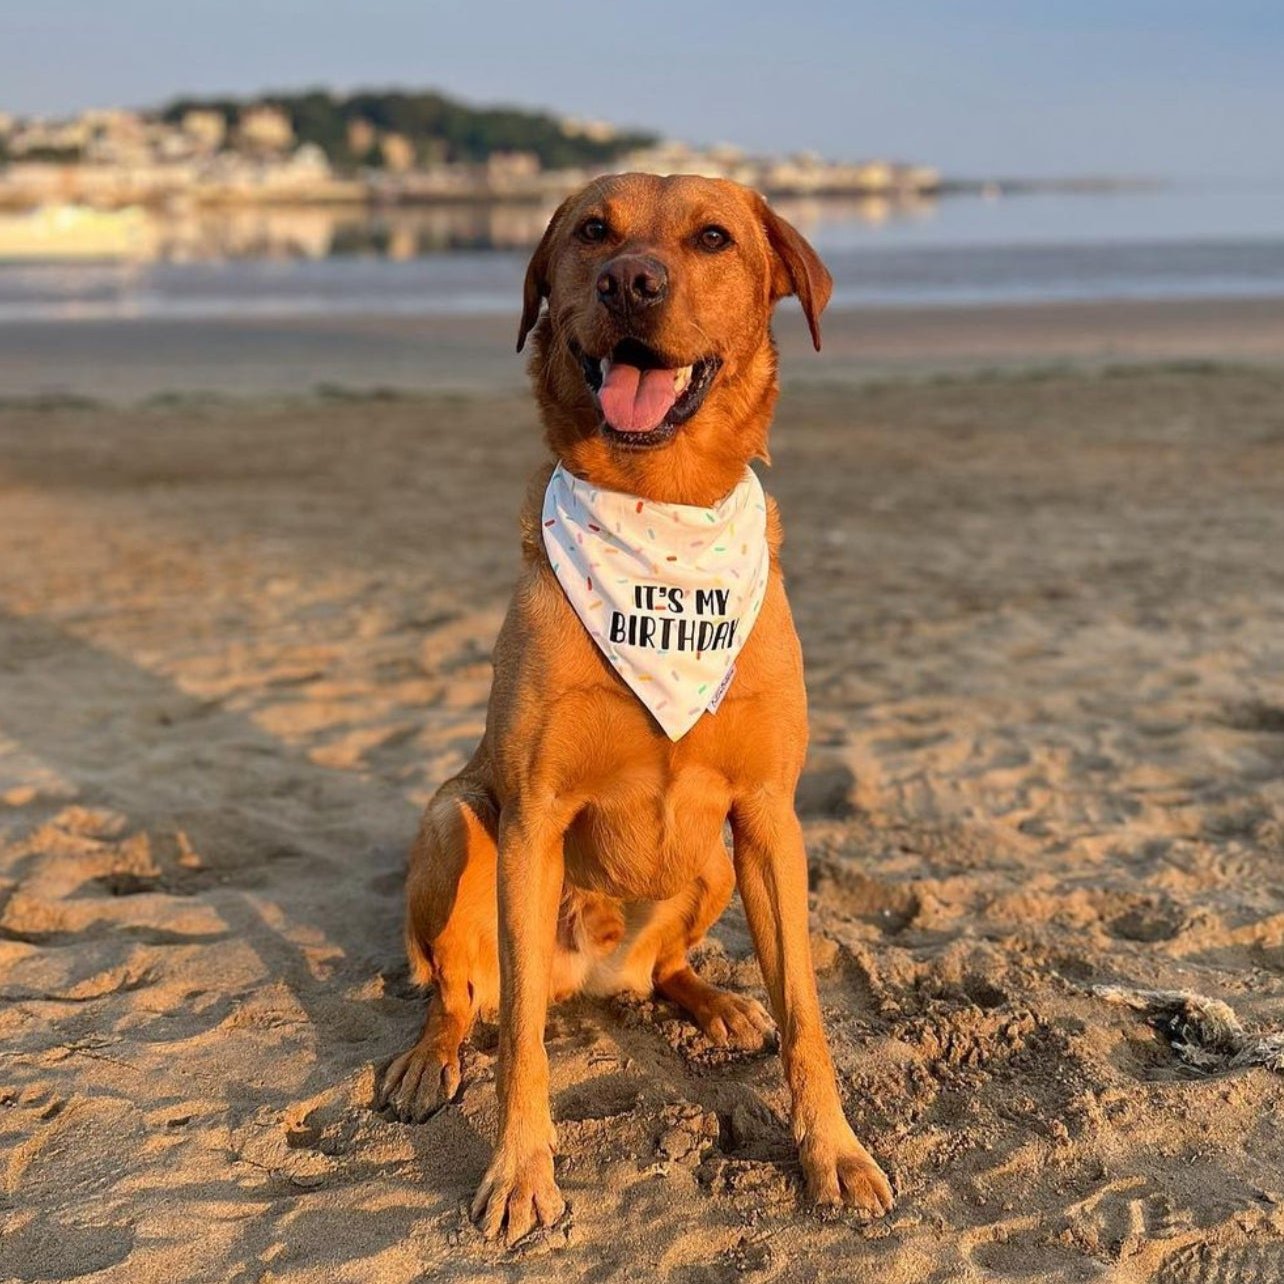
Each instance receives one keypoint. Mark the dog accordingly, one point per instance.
(581, 849)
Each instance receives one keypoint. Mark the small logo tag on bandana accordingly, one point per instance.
(669, 592)
(713, 704)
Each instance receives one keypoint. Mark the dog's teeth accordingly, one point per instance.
(605, 366)
(681, 378)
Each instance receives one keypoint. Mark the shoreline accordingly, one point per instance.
(353, 193)
(122, 362)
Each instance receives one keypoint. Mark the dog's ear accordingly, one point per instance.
(797, 269)
(536, 289)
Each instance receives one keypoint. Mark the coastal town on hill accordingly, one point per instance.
(397, 173)
(388, 147)
(212, 176)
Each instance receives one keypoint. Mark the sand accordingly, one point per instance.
(124, 361)
(240, 643)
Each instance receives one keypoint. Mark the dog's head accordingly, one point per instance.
(654, 365)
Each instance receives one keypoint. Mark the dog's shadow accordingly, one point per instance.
(301, 865)
(298, 861)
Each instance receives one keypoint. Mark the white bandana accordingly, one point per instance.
(669, 592)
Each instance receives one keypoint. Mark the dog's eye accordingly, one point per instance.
(593, 230)
(713, 238)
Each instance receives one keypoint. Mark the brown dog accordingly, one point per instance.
(581, 848)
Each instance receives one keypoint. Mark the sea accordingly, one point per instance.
(1167, 241)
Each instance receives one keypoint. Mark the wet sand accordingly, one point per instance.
(240, 644)
(127, 361)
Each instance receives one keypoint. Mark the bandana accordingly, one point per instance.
(669, 592)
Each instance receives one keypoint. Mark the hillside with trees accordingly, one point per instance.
(440, 129)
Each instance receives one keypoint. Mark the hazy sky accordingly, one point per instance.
(991, 87)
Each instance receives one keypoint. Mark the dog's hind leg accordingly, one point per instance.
(451, 940)
(680, 923)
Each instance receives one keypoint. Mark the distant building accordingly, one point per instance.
(309, 162)
(69, 136)
(673, 157)
(597, 131)
(509, 166)
(923, 178)
(265, 130)
(508, 173)
(116, 138)
(114, 122)
(362, 136)
(728, 155)
(398, 153)
(207, 129)
(875, 176)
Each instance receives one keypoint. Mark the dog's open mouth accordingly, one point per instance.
(642, 396)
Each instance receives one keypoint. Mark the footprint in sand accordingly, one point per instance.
(55, 1250)
(86, 1148)
(1252, 1261)
(1121, 1217)
(1028, 1260)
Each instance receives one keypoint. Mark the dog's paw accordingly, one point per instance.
(840, 1172)
(419, 1082)
(733, 1021)
(517, 1194)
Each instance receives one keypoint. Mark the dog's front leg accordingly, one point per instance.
(771, 872)
(518, 1190)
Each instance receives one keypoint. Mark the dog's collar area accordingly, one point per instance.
(691, 386)
(684, 586)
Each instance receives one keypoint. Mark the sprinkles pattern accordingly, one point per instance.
(688, 586)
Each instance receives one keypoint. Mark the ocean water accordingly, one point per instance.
(1173, 241)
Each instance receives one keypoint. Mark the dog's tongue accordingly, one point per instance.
(635, 400)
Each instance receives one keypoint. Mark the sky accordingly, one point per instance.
(990, 88)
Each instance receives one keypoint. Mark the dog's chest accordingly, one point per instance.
(648, 829)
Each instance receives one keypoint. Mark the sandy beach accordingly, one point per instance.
(243, 638)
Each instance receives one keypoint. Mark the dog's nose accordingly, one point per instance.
(632, 281)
